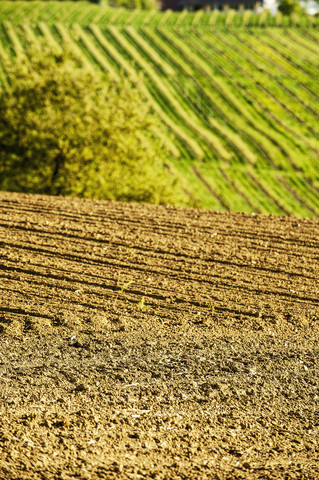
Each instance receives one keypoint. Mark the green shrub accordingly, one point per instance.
(133, 4)
(289, 7)
(68, 130)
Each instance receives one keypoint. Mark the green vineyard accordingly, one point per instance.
(238, 93)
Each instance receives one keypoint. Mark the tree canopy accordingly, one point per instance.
(69, 130)
(288, 7)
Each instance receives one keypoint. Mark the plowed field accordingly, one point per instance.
(143, 342)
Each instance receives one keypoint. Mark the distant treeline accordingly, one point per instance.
(129, 4)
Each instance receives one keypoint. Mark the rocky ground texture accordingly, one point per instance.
(143, 342)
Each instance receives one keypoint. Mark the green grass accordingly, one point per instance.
(238, 94)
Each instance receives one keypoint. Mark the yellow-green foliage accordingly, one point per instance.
(240, 103)
(73, 131)
(289, 7)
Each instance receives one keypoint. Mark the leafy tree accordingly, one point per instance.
(132, 4)
(72, 131)
(288, 7)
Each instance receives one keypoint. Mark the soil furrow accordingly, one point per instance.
(155, 342)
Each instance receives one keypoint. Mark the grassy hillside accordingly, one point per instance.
(239, 93)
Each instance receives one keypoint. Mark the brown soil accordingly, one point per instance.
(142, 342)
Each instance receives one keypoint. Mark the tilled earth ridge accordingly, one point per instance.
(144, 342)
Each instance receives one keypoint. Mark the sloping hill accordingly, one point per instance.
(155, 342)
(239, 98)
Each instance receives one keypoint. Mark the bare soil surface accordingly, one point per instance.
(142, 342)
